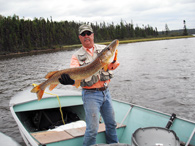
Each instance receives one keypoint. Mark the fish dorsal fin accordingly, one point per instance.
(50, 74)
(52, 86)
(77, 83)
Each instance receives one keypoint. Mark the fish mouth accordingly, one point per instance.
(117, 43)
(114, 45)
(107, 54)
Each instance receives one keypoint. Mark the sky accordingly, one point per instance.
(155, 13)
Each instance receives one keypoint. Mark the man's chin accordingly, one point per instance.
(87, 43)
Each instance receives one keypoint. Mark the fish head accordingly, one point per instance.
(107, 54)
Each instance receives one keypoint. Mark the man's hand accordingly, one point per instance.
(66, 80)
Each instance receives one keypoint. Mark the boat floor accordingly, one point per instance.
(46, 137)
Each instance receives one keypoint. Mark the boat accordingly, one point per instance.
(58, 119)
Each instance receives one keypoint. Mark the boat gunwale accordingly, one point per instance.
(12, 104)
(22, 129)
(118, 100)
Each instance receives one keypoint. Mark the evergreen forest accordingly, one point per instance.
(20, 35)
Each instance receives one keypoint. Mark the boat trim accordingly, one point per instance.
(126, 115)
(190, 138)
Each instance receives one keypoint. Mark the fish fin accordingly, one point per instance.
(77, 83)
(105, 68)
(35, 89)
(50, 74)
(52, 86)
(39, 92)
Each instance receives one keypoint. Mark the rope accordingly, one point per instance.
(58, 102)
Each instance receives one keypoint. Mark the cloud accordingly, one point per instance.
(156, 13)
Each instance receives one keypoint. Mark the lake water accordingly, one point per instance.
(157, 74)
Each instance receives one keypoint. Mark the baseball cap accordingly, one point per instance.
(85, 27)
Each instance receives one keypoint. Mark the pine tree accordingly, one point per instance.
(185, 32)
(166, 29)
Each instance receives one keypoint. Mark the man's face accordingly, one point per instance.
(87, 39)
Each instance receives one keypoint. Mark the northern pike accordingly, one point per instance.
(102, 60)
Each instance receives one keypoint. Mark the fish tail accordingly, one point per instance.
(39, 91)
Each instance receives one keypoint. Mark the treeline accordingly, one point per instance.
(180, 32)
(19, 35)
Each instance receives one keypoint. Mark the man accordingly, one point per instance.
(95, 93)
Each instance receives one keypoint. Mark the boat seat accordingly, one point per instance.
(154, 136)
(46, 137)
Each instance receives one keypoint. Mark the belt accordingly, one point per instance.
(98, 89)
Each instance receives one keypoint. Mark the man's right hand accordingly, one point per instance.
(66, 80)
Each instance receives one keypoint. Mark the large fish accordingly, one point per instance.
(102, 60)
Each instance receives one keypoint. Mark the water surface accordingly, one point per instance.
(157, 74)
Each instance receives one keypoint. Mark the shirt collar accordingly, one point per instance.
(90, 51)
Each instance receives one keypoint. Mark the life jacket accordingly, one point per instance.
(85, 58)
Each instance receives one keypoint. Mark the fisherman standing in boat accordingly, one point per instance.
(95, 92)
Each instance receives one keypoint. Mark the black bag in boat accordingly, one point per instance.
(48, 119)
(154, 136)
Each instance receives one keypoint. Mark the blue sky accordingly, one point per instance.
(155, 13)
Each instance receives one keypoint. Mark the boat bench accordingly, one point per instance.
(46, 137)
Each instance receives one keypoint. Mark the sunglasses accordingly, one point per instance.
(86, 32)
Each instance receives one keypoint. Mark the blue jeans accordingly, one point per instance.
(96, 102)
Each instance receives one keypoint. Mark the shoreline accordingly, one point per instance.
(71, 47)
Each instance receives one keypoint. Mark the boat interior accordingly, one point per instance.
(42, 124)
(45, 119)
